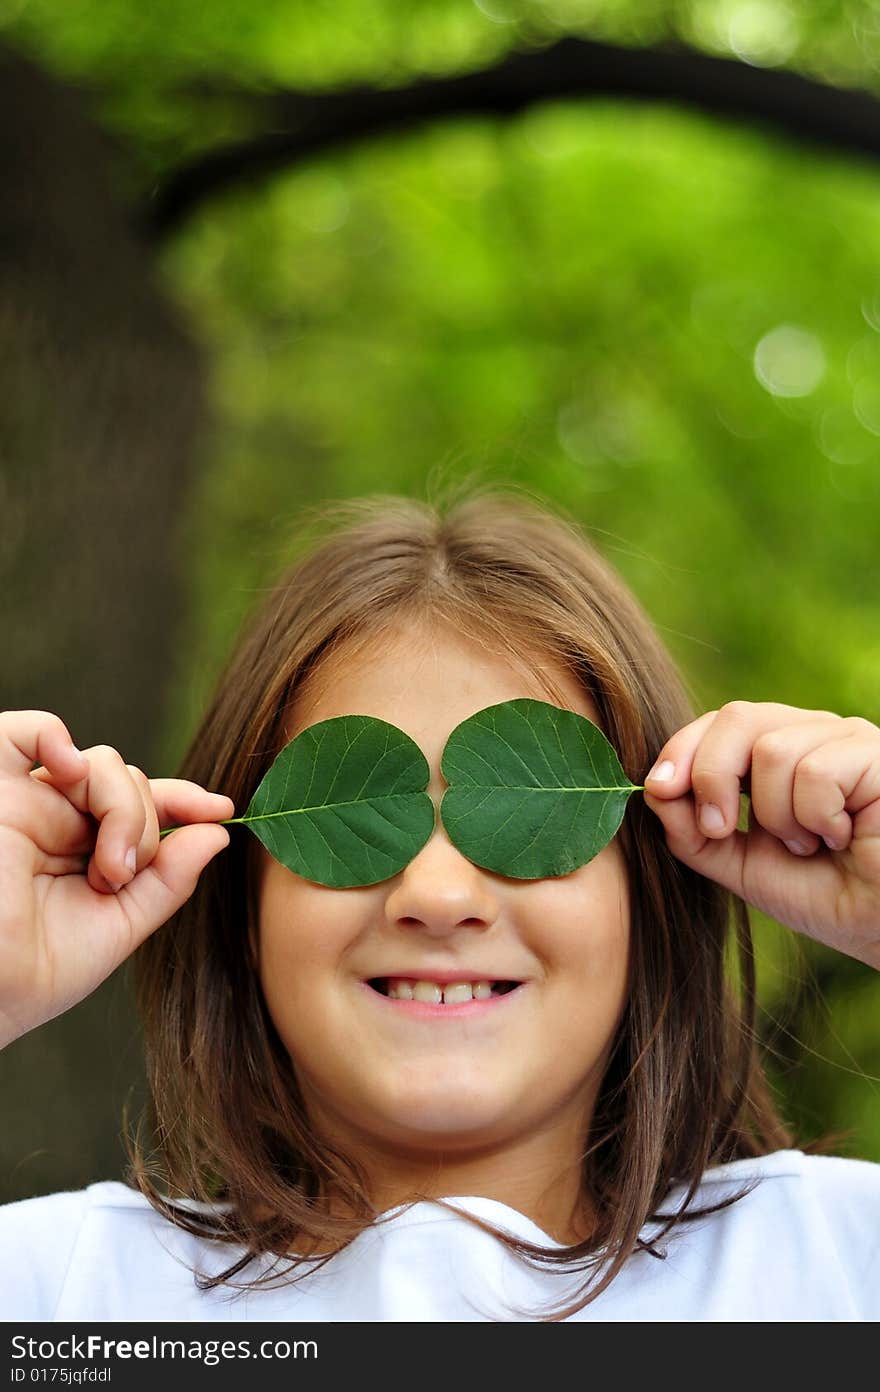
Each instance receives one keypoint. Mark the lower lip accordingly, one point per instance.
(426, 1010)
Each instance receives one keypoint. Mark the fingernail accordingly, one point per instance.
(131, 859)
(663, 772)
(797, 847)
(831, 843)
(115, 887)
(78, 754)
(711, 817)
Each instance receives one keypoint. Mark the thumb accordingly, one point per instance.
(158, 890)
(721, 859)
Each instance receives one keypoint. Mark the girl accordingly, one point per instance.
(599, 1142)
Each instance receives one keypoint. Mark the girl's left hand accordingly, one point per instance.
(811, 856)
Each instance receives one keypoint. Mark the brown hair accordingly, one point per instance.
(683, 1088)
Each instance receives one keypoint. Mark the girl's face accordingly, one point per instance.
(374, 1075)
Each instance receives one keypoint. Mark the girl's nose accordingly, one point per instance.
(441, 891)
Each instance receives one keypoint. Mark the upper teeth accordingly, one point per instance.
(452, 994)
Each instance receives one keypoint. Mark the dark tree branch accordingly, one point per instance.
(301, 124)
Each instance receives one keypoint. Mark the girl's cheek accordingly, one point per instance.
(305, 931)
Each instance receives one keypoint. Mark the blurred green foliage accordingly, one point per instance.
(668, 322)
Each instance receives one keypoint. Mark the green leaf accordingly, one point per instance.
(534, 790)
(344, 803)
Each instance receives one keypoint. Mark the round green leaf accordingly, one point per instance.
(534, 790)
(344, 803)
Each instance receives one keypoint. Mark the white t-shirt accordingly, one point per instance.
(803, 1245)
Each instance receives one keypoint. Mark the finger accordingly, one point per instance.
(722, 756)
(168, 802)
(45, 814)
(111, 795)
(776, 757)
(683, 835)
(668, 783)
(167, 882)
(731, 862)
(174, 800)
(833, 783)
(178, 800)
(148, 845)
(31, 737)
(121, 922)
(669, 776)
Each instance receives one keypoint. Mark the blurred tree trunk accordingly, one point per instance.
(99, 412)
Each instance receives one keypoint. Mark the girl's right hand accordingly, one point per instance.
(84, 877)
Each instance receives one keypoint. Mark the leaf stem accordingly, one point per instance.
(264, 816)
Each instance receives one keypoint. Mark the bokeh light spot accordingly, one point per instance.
(499, 11)
(761, 33)
(789, 361)
(866, 403)
(841, 437)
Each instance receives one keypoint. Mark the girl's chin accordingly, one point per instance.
(441, 1127)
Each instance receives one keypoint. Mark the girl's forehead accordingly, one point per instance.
(435, 677)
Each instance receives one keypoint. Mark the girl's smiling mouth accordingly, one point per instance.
(427, 997)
